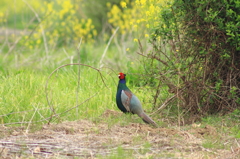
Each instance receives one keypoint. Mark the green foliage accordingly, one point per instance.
(198, 54)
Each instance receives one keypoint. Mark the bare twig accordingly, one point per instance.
(31, 120)
(154, 57)
(140, 46)
(171, 99)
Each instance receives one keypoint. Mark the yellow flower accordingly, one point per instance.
(146, 35)
(143, 2)
(1, 14)
(127, 49)
(95, 32)
(137, 2)
(38, 41)
(135, 40)
(123, 4)
(147, 13)
(50, 7)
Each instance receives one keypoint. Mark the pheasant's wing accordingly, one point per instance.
(135, 105)
(131, 102)
(126, 97)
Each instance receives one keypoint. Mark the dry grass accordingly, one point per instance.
(86, 139)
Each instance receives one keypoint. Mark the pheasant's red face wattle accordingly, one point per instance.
(121, 75)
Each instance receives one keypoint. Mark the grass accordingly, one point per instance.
(23, 94)
(227, 124)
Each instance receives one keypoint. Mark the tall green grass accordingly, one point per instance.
(23, 92)
(23, 95)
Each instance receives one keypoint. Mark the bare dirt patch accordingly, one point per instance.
(86, 139)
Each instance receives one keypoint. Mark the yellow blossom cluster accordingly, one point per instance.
(122, 16)
(31, 44)
(138, 18)
(62, 25)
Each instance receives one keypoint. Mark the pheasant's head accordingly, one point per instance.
(121, 75)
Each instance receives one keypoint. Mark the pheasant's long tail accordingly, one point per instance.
(147, 119)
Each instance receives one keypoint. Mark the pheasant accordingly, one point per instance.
(127, 102)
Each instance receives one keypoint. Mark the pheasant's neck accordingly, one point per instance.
(122, 85)
(122, 81)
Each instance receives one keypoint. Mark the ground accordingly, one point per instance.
(89, 139)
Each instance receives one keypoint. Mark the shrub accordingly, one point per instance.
(198, 56)
(61, 23)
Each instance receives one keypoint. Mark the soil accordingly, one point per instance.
(88, 139)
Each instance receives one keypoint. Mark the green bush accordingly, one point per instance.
(199, 54)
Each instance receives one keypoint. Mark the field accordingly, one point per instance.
(58, 82)
(86, 122)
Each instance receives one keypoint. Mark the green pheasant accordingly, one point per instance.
(127, 102)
